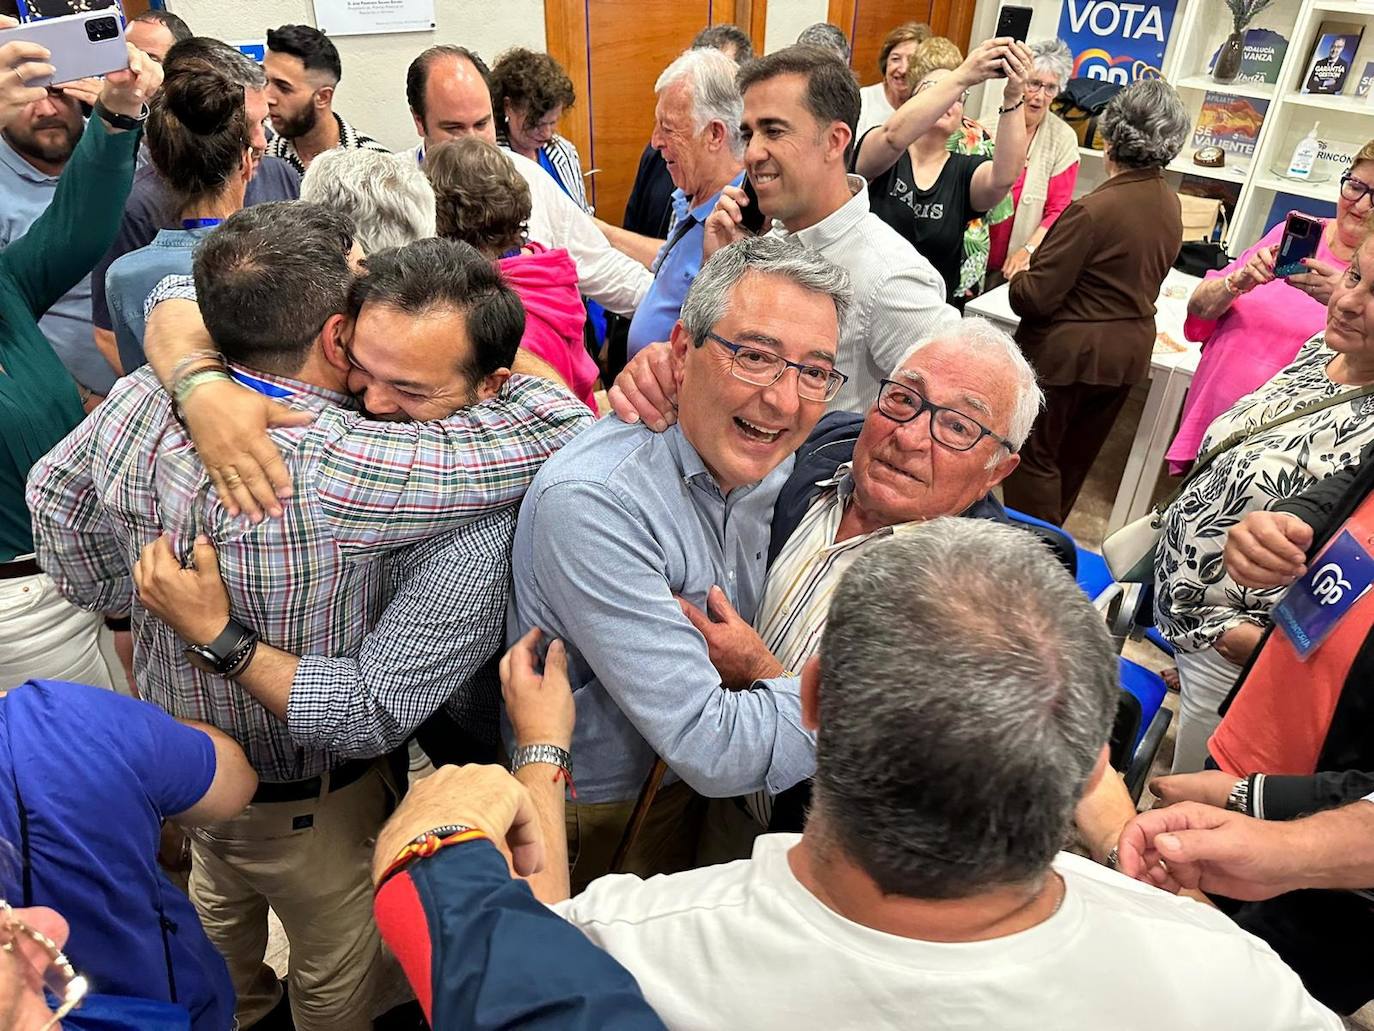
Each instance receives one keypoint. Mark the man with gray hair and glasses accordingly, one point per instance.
(696, 129)
(961, 702)
(623, 521)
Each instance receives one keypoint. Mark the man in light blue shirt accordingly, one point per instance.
(623, 521)
(696, 129)
(34, 149)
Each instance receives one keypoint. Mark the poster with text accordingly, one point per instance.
(370, 17)
(1114, 41)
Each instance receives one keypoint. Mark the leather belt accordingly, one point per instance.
(300, 790)
(16, 570)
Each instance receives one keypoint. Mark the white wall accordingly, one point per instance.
(372, 95)
(787, 18)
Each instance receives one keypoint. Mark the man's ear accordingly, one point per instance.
(717, 135)
(491, 384)
(419, 124)
(1002, 470)
(837, 140)
(679, 344)
(324, 96)
(811, 693)
(332, 338)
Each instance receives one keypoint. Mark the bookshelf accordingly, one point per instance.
(1198, 30)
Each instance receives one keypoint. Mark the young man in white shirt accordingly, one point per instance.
(962, 699)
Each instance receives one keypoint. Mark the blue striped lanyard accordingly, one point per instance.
(200, 223)
(261, 386)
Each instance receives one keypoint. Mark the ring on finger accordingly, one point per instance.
(233, 479)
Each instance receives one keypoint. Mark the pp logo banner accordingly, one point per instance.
(1115, 41)
(1313, 606)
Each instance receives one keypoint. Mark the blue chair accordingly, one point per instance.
(1141, 719)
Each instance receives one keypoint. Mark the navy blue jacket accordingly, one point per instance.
(830, 446)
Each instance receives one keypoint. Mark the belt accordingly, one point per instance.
(15, 570)
(300, 790)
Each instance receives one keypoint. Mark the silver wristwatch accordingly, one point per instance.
(1238, 801)
(551, 754)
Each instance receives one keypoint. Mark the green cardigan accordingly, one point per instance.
(39, 404)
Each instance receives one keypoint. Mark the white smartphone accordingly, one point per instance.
(82, 45)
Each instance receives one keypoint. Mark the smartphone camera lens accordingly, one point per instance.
(99, 29)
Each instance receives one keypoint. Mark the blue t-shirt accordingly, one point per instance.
(97, 772)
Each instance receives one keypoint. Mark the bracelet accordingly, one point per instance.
(429, 843)
(182, 390)
(1233, 291)
(1014, 107)
(525, 755)
(184, 364)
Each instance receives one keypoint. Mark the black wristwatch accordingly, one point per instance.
(228, 654)
(118, 121)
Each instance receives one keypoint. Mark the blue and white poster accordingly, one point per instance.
(1117, 41)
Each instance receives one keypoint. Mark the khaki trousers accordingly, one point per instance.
(311, 862)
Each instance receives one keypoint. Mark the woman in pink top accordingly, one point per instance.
(1251, 324)
(482, 200)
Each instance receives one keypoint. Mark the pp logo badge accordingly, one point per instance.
(1329, 584)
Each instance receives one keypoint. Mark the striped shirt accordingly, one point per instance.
(349, 139)
(310, 582)
(796, 596)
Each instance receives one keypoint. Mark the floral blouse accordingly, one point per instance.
(1195, 600)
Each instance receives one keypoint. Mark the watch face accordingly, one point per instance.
(202, 658)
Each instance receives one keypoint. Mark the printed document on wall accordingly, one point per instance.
(368, 17)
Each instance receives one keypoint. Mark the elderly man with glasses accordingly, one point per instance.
(623, 521)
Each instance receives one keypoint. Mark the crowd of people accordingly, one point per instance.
(749, 701)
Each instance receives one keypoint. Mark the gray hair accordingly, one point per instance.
(710, 78)
(967, 688)
(1053, 57)
(1145, 125)
(827, 37)
(388, 198)
(233, 62)
(980, 336)
(708, 300)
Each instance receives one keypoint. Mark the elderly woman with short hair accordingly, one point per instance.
(1045, 187)
(529, 93)
(1087, 299)
(387, 197)
(878, 101)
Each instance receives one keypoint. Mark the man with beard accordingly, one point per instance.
(303, 69)
(34, 149)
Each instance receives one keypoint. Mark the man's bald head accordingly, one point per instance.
(446, 87)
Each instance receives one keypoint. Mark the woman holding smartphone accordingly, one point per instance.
(1251, 323)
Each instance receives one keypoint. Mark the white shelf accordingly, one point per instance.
(1343, 7)
(1226, 173)
(1257, 90)
(1088, 152)
(1315, 191)
(1328, 102)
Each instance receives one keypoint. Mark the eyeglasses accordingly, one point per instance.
(948, 426)
(59, 979)
(1034, 86)
(963, 97)
(764, 368)
(1353, 189)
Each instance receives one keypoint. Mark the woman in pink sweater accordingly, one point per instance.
(1251, 324)
(482, 200)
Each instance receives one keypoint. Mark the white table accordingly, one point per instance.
(1170, 375)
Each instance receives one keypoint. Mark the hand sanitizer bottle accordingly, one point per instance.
(1305, 155)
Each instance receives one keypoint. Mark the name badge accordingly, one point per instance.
(1313, 606)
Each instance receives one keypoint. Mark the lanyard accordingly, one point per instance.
(261, 386)
(200, 223)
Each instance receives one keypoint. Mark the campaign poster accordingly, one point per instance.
(1115, 41)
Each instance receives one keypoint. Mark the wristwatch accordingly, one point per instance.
(1238, 801)
(118, 121)
(551, 754)
(428, 843)
(228, 654)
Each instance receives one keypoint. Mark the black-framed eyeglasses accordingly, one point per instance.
(963, 97)
(762, 368)
(902, 402)
(1353, 189)
(60, 980)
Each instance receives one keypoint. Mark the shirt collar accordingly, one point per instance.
(699, 211)
(839, 222)
(692, 468)
(314, 397)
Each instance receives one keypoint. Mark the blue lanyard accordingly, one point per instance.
(200, 223)
(261, 386)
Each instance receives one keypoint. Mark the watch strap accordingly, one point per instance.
(118, 121)
(551, 754)
(1238, 801)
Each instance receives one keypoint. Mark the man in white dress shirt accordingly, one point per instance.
(446, 87)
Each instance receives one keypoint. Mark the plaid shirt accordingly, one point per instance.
(311, 582)
(445, 619)
(349, 139)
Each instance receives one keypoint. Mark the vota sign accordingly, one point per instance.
(1114, 41)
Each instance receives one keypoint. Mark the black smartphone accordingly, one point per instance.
(1013, 22)
(1301, 234)
(751, 214)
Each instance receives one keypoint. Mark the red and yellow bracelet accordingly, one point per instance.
(427, 844)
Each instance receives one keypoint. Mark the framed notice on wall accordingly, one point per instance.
(370, 17)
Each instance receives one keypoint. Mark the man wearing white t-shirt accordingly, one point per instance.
(962, 699)
(446, 87)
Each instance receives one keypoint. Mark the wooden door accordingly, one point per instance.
(614, 50)
(866, 22)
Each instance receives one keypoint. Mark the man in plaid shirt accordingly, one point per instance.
(274, 283)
